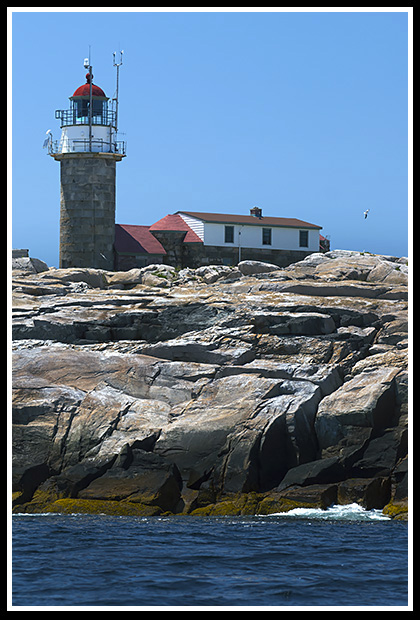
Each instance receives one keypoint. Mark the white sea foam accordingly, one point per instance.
(337, 512)
(31, 514)
(347, 512)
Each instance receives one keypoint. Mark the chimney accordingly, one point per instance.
(256, 212)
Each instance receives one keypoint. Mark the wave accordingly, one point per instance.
(337, 512)
(31, 514)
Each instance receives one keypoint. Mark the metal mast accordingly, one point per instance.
(88, 66)
(118, 65)
(90, 106)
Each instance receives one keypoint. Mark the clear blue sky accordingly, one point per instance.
(304, 114)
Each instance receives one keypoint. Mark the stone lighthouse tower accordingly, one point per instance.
(88, 151)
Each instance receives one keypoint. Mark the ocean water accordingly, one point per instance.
(342, 557)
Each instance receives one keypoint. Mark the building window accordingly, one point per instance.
(303, 238)
(266, 236)
(229, 234)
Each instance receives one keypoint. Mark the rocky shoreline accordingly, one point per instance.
(215, 391)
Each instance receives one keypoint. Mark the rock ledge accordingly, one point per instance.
(244, 390)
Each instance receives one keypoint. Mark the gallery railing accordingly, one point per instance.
(86, 146)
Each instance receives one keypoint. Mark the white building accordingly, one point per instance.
(253, 231)
(192, 239)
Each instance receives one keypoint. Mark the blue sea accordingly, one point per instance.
(342, 557)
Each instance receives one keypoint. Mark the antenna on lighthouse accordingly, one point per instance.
(117, 65)
(87, 65)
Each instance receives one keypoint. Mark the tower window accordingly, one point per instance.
(266, 236)
(303, 238)
(99, 108)
(229, 234)
(82, 107)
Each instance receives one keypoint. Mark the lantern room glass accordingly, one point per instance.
(80, 108)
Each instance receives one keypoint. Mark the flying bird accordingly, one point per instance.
(366, 213)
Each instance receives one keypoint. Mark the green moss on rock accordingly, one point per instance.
(89, 506)
(250, 504)
(236, 505)
(271, 505)
(396, 510)
(240, 504)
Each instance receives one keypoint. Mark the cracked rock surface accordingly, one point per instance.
(159, 391)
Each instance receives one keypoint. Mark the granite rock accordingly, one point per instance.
(173, 391)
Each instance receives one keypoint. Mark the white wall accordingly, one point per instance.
(72, 138)
(196, 225)
(251, 237)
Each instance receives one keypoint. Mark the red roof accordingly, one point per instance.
(222, 218)
(132, 239)
(83, 91)
(175, 222)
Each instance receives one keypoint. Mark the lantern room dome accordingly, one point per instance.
(83, 91)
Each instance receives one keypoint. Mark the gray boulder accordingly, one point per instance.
(252, 267)
(95, 278)
(145, 478)
(212, 273)
(29, 265)
(365, 402)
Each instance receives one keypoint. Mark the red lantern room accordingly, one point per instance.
(80, 102)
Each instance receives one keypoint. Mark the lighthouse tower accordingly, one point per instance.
(88, 151)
